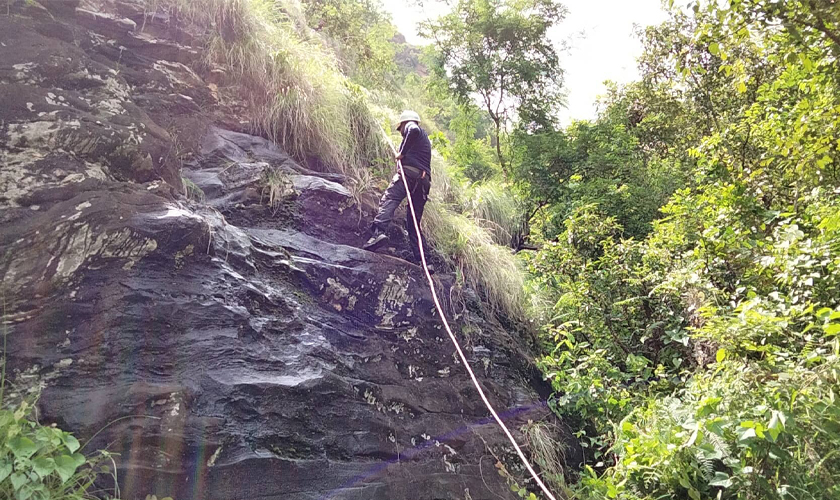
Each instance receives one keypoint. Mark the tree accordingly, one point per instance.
(362, 32)
(498, 51)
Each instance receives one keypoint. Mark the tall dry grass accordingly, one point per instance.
(297, 95)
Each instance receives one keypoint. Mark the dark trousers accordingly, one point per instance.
(419, 192)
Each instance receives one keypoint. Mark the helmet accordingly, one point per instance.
(408, 116)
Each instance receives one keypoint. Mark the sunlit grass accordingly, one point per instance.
(296, 94)
(485, 266)
(498, 209)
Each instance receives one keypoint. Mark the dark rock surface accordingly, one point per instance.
(226, 349)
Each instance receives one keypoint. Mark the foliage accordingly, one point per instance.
(192, 191)
(548, 453)
(472, 155)
(40, 462)
(485, 266)
(693, 333)
(497, 208)
(361, 33)
(276, 187)
(617, 162)
(499, 50)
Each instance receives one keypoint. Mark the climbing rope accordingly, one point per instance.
(455, 340)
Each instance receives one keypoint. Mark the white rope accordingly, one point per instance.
(455, 340)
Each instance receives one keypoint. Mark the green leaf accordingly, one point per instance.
(714, 48)
(43, 466)
(721, 355)
(23, 447)
(25, 493)
(5, 470)
(79, 458)
(721, 480)
(694, 494)
(776, 425)
(18, 480)
(806, 61)
(777, 420)
(22, 410)
(66, 466)
(832, 329)
(693, 438)
(70, 442)
(747, 435)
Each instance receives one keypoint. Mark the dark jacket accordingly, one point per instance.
(416, 148)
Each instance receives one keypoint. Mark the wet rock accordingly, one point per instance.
(61, 8)
(106, 24)
(225, 348)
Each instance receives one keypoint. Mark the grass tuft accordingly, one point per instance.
(485, 266)
(496, 208)
(548, 453)
(296, 93)
(276, 187)
(192, 191)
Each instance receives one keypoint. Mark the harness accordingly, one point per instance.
(418, 172)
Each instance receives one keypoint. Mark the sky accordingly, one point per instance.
(597, 36)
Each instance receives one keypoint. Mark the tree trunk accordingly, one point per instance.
(498, 123)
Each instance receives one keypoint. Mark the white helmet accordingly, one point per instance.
(408, 116)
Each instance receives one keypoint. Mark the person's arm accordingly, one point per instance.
(408, 141)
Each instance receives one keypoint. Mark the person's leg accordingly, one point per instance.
(390, 201)
(419, 194)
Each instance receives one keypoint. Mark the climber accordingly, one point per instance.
(415, 153)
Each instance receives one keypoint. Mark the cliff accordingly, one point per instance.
(196, 300)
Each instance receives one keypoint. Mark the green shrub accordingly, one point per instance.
(360, 32)
(41, 462)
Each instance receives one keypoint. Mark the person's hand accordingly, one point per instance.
(398, 157)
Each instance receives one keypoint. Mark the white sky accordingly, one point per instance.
(599, 36)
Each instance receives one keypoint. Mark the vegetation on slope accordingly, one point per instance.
(687, 240)
(297, 94)
(691, 243)
(299, 97)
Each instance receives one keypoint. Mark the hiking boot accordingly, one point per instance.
(375, 242)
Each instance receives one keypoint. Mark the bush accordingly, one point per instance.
(41, 462)
(360, 33)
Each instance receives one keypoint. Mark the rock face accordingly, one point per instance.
(226, 349)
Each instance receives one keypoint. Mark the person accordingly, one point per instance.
(415, 153)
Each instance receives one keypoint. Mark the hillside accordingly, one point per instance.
(651, 297)
(188, 294)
